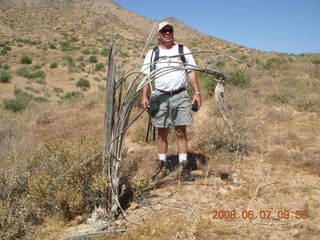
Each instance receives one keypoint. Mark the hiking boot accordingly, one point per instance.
(184, 172)
(160, 170)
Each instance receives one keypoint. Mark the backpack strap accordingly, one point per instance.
(181, 53)
(154, 59)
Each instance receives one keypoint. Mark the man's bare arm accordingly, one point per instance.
(195, 85)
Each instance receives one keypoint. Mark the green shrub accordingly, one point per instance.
(80, 59)
(5, 66)
(68, 58)
(52, 46)
(3, 52)
(83, 83)
(85, 52)
(220, 63)
(71, 95)
(25, 60)
(93, 59)
(40, 99)
(99, 67)
(238, 78)
(105, 52)
(208, 83)
(23, 72)
(275, 62)
(5, 77)
(53, 65)
(38, 74)
(123, 54)
(40, 81)
(22, 95)
(57, 90)
(36, 67)
(14, 104)
(315, 60)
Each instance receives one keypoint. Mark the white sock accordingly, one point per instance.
(162, 157)
(183, 157)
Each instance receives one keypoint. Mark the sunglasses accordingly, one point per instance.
(165, 30)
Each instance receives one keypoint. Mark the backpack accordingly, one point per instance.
(155, 52)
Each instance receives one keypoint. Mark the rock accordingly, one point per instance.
(295, 233)
(314, 227)
(134, 206)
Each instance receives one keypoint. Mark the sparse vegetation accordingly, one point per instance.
(25, 60)
(5, 77)
(93, 59)
(83, 83)
(239, 78)
(274, 105)
(53, 65)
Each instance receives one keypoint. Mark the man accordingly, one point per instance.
(175, 110)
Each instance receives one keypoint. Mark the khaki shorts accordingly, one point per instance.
(176, 111)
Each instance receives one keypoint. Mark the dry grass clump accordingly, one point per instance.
(214, 135)
(28, 195)
(299, 92)
(306, 161)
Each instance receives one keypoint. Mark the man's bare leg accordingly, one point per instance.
(182, 142)
(163, 140)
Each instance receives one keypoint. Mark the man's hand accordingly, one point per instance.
(144, 97)
(197, 98)
(144, 102)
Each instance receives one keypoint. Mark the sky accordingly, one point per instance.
(287, 26)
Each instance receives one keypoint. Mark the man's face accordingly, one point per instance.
(166, 34)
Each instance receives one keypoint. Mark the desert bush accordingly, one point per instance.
(80, 59)
(40, 81)
(23, 72)
(53, 65)
(275, 62)
(281, 96)
(123, 54)
(36, 67)
(85, 52)
(71, 96)
(315, 61)
(220, 63)
(5, 77)
(99, 67)
(65, 46)
(14, 104)
(57, 90)
(3, 52)
(20, 94)
(83, 83)
(93, 59)
(5, 66)
(38, 74)
(238, 78)
(25, 60)
(68, 58)
(52, 46)
(28, 195)
(105, 52)
(208, 83)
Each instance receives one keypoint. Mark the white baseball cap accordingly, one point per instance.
(163, 24)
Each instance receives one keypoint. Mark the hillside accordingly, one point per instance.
(53, 58)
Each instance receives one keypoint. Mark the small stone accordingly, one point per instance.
(314, 227)
(134, 206)
(295, 233)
